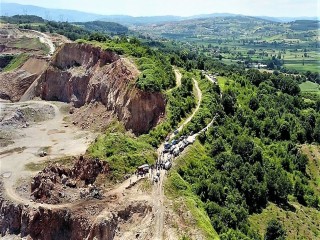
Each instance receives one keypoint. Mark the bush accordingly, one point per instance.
(275, 231)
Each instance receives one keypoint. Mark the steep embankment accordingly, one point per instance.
(82, 74)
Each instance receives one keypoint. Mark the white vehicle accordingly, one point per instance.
(176, 151)
(191, 139)
(167, 165)
(181, 146)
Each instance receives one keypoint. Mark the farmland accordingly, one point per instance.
(290, 46)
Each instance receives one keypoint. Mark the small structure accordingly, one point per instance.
(143, 169)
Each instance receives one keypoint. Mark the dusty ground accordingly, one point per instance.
(32, 127)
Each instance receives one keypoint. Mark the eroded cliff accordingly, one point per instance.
(82, 74)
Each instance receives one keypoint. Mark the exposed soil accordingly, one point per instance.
(15, 41)
(82, 74)
(73, 202)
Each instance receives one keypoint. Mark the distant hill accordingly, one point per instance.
(228, 27)
(10, 9)
(71, 30)
(105, 27)
(234, 26)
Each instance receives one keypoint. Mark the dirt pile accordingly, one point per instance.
(57, 184)
(17, 116)
(15, 83)
(83, 74)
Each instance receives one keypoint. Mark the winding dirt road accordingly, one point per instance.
(158, 191)
(44, 38)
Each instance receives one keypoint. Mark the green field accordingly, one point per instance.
(310, 87)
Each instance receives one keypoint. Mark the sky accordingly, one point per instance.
(274, 8)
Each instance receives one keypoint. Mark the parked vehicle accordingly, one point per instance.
(143, 169)
(176, 152)
(174, 142)
(167, 165)
(167, 145)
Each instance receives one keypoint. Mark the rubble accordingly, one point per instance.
(56, 184)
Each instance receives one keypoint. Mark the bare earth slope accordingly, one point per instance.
(81, 74)
(15, 83)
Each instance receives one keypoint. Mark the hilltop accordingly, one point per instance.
(10, 9)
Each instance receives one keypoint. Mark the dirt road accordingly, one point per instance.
(199, 98)
(44, 38)
(178, 77)
(158, 191)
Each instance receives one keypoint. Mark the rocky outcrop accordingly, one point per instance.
(57, 184)
(81, 73)
(85, 221)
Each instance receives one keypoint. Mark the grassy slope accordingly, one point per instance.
(31, 44)
(179, 191)
(313, 168)
(16, 62)
(122, 151)
(303, 221)
(310, 87)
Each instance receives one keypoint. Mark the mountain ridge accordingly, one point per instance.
(10, 9)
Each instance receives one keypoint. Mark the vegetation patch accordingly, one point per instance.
(12, 150)
(180, 192)
(122, 151)
(251, 155)
(310, 87)
(298, 222)
(180, 102)
(16, 62)
(38, 166)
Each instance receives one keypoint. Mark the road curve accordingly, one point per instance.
(158, 193)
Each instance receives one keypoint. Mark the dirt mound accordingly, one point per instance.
(93, 116)
(14, 84)
(82, 74)
(21, 115)
(57, 184)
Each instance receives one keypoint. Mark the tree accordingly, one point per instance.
(278, 184)
(233, 235)
(316, 131)
(275, 231)
(301, 162)
(243, 146)
(254, 103)
(298, 191)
